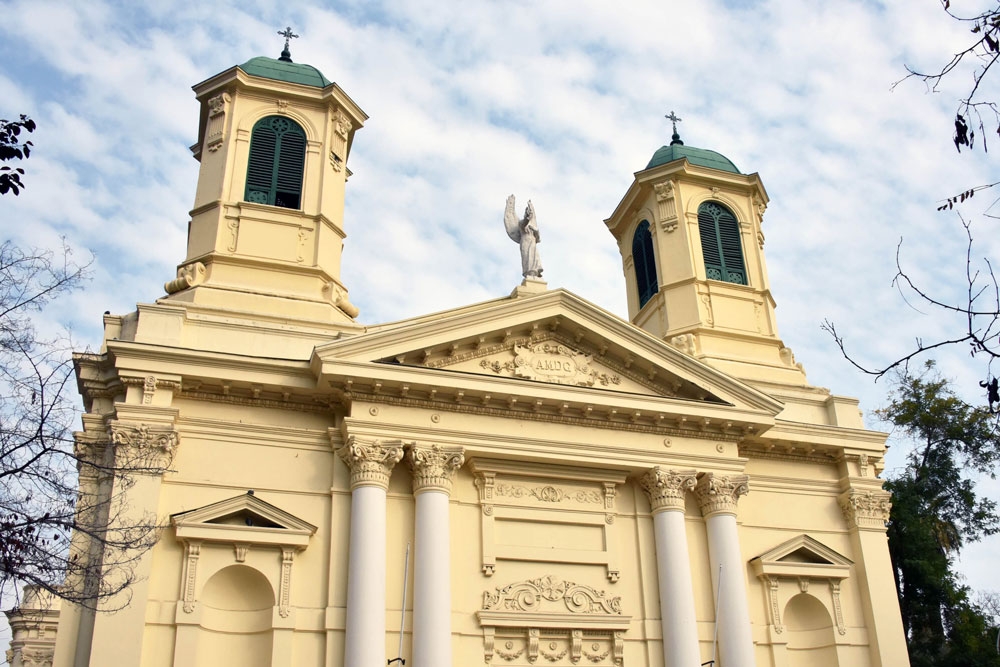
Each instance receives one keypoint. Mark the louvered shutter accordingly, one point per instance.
(260, 168)
(276, 162)
(720, 244)
(645, 263)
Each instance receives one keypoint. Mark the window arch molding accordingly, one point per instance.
(248, 121)
(644, 261)
(722, 246)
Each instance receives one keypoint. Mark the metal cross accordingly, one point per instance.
(674, 119)
(288, 34)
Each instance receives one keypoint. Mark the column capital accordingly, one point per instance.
(143, 448)
(434, 466)
(666, 488)
(718, 494)
(866, 509)
(371, 462)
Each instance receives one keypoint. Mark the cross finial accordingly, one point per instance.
(676, 138)
(287, 33)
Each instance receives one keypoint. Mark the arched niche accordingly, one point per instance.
(235, 624)
(812, 641)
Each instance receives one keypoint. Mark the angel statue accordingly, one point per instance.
(524, 232)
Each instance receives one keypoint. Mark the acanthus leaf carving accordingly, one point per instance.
(149, 448)
(370, 463)
(666, 488)
(433, 466)
(866, 509)
(720, 493)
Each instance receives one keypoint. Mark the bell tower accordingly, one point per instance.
(267, 226)
(689, 232)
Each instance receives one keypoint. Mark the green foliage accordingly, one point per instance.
(935, 512)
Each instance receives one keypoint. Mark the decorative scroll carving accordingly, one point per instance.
(370, 464)
(666, 206)
(549, 494)
(706, 301)
(838, 612)
(772, 599)
(148, 389)
(240, 552)
(666, 488)
(341, 124)
(720, 493)
(863, 468)
(866, 509)
(300, 255)
(434, 466)
(193, 551)
(338, 296)
(528, 596)
(686, 343)
(285, 587)
(188, 275)
(234, 234)
(548, 361)
(152, 447)
(216, 130)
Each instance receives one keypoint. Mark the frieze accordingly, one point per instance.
(549, 494)
(531, 595)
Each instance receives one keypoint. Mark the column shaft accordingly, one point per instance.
(680, 629)
(365, 640)
(432, 582)
(732, 615)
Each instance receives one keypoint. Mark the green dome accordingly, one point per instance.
(281, 70)
(698, 156)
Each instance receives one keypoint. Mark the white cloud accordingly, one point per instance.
(553, 102)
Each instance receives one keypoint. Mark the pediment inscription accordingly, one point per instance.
(550, 361)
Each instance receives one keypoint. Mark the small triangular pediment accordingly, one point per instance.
(508, 346)
(802, 556)
(243, 519)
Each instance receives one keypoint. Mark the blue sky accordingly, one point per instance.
(554, 101)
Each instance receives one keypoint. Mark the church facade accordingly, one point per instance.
(529, 480)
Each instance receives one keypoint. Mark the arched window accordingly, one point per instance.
(277, 159)
(720, 244)
(645, 263)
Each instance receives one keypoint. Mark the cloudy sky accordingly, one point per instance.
(557, 101)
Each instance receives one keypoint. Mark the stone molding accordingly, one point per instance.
(433, 466)
(719, 494)
(371, 463)
(666, 488)
(866, 509)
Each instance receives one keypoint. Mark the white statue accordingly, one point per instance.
(524, 232)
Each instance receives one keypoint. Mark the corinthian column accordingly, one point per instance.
(433, 468)
(666, 490)
(371, 465)
(717, 495)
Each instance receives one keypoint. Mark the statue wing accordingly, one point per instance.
(510, 221)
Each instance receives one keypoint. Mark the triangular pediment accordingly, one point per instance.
(533, 346)
(802, 556)
(242, 519)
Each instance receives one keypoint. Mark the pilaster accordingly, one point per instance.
(866, 511)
